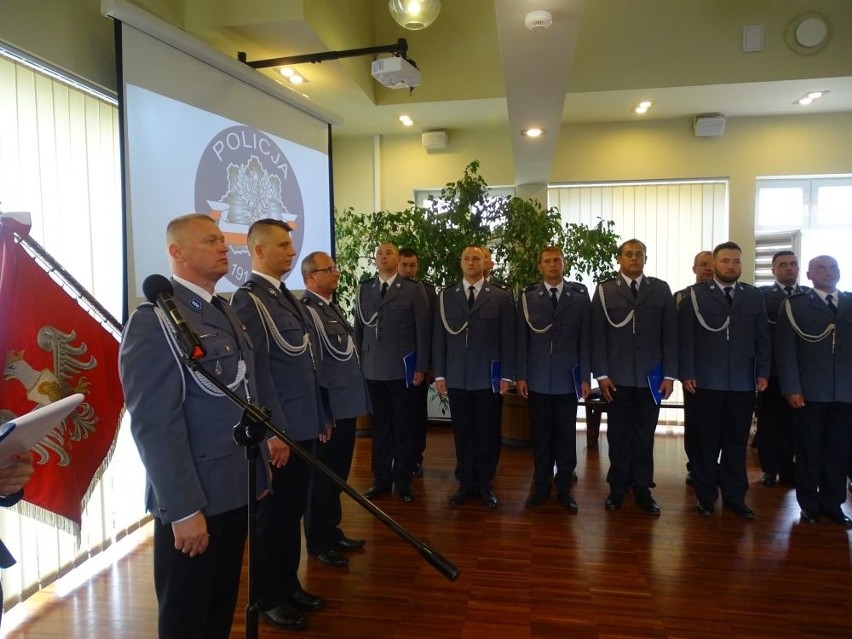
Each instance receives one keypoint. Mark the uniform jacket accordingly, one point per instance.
(389, 328)
(774, 295)
(821, 371)
(295, 377)
(185, 435)
(465, 359)
(626, 355)
(343, 381)
(547, 360)
(730, 359)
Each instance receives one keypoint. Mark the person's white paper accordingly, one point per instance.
(19, 435)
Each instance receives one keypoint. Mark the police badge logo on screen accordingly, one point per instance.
(243, 176)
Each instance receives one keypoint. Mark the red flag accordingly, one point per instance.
(53, 347)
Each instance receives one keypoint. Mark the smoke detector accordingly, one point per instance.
(540, 18)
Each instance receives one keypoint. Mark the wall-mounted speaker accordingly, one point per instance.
(709, 125)
(434, 140)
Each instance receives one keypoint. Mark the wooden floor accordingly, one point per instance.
(540, 574)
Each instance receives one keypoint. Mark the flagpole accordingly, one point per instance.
(68, 281)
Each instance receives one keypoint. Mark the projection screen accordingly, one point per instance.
(205, 133)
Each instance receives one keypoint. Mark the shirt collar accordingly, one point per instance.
(823, 294)
(627, 280)
(558, 287)
(195, 288)
(477, 285)
(389, 281)
(275, 282)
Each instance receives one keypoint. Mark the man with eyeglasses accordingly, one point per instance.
(392, 334)
(634, 358)
(343, 384)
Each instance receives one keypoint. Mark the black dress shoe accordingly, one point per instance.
(809, 517)
(418, 470)
(536, 499)
(740, 510)
(347, 543)
(488, 498)
(612, 503)
(648, 503)
(769, 479)
(405, 493)
(285, 617)
(375, 491)
(305, 601)
(332, 558)
(838, 517)
(705, 508)
(568, 502)
(460, 496)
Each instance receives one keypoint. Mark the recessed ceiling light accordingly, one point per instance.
(532, 133)
(809, 97)
(406, 120)
(643, 107)
(296, 79)
(286, 71)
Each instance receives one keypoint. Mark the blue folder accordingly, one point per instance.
(655, 378)
(495, 375)
(409, 362)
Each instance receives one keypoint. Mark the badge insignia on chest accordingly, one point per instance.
(195, 304)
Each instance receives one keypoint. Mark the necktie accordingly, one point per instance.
(634, 289)
(829, 299)
(217, 302)
(384, 288)
(471, 298)
(788, 290)
(553, 299)
(728, 295)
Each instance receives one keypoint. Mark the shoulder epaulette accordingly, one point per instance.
(411, 279)
(498, 284)
(766, 287)
(577, 287)
(427, 283)
(249, 285)
(746, 285)
(531, 287)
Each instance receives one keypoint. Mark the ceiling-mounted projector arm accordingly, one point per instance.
(399, 49)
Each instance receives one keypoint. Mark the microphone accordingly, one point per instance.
(158, 290)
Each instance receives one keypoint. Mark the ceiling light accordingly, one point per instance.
(406, 120)
(536, 19)
(414, 14)
(296, 79)
(809, 97)
(532, 133)
(286, 71)
(643, 107)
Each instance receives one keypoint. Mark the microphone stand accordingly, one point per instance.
(255, 423)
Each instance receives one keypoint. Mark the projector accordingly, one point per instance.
(395, 72)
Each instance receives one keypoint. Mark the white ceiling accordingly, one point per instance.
(570, 73)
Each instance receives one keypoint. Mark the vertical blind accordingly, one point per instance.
(59, 160)
(674, 219)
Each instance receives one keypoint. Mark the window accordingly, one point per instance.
(810, 215)
(59, 161)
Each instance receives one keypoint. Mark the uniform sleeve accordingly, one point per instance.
(439, 341)
(670, 340)
(508, 337)
(422, 327)
(153, 381)
(763, 343)
(686, 339)
(522, 340)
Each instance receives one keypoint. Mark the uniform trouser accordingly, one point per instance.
(280, 530)
(197, 595)
(553, 425)
(476, 428)
(631, 421)
(392, 431)
(422, 422)
(721, 421)
(775, 432)
(822, 435)
(323, 514)
(688, 433)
